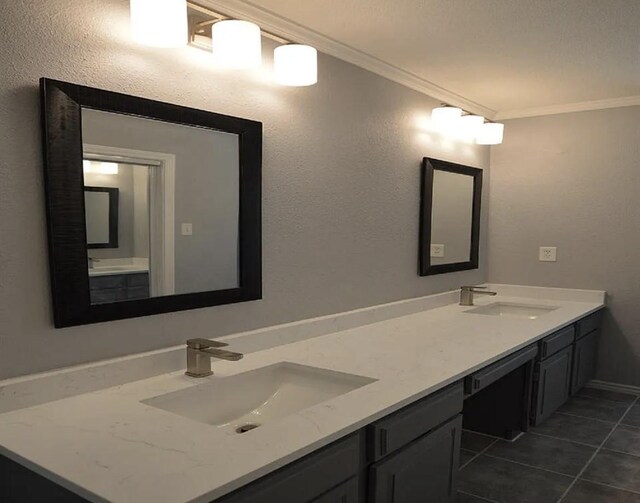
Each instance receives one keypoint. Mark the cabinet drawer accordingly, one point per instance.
(347, 492)
(137, 292)
(104, 282)
(490, 374)
(404, 426)
(555, 342)
(138, 279)
(589, 324)
(305, 480)
(108, 295)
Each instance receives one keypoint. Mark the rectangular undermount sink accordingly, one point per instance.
(513, 310)
(243, 402)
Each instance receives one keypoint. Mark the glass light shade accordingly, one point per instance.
(490, 133)
(445, 115)
(470, 126)
(237, 44)
(159, 23)
(295, 65)
(100, 168)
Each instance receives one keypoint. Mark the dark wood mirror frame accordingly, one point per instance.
(61, 104)
(425, 268)
(114, 196)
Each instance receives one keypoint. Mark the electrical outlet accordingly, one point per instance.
(187, 229)
(437, 251)
(547, 254)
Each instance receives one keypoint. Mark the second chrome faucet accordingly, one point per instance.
(200, 352)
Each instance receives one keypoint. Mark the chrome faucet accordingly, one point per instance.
(200, 352)
(466, 294)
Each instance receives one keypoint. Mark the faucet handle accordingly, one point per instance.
(200, 343)
(471, 288)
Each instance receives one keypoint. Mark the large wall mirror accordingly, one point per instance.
(449, 217)
(151, 207)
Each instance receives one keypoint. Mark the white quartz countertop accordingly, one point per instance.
(108, 446)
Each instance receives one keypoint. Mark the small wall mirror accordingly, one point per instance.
(101, 213)
(152, 207)
(450, 217)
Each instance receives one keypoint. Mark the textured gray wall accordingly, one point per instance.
(341, 182)
(573, 181)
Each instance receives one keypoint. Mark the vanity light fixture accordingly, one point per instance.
(445, 118)
(451, 121)
(491, 133)
(295, 65)
(236, 44)
(470, 125)
(159, 23)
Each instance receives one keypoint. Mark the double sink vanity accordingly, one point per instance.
(365, 406)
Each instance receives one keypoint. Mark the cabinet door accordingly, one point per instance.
(347, 492)
(553, 382)
(423, 472)
(584, 361)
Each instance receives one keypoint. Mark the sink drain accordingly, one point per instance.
(247, 427)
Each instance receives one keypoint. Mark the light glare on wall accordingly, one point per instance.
(237, 44)
(100, 168)
(159, 23)
(295, 65)
(490, 133)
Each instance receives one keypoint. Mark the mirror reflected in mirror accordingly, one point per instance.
(450, 217)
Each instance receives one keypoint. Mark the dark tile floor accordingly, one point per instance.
(587, 452)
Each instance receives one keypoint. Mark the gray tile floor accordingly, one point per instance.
(587, 452)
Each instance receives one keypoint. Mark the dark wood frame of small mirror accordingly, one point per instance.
(426, 201)
(61, 104)
(114, 196)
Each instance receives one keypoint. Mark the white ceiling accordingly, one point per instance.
(516, 57)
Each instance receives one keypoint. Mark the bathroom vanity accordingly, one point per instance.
(377, 416)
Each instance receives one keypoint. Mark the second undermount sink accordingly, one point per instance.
(243, 402)
(513, 310)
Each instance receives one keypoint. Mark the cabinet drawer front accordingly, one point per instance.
(490, 374)
(137, 292)
(103, 282)
(404, 426)
(138, 279)
(347, 492)
(424, 471)
(555, 342)
(305, 480)
(553, 384)
(589, 324)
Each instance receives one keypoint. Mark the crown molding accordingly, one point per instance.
(584, 106)
(285, 28)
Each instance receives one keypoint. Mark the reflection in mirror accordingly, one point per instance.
(450, 217)
(177, 210)
(101, 212)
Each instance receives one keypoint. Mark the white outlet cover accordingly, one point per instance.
(437, 251)
(548, 254)
(187, 229)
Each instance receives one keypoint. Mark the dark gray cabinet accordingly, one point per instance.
(118, 287)
(552, 383)
(584, 360)
(425, 471)
(328, 475)
(347, 492)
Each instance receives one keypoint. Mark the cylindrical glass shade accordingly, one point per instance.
(295, 65)
(237, 44)
(445, 119)
(159, 23)
(490, 133)
(470, 126)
